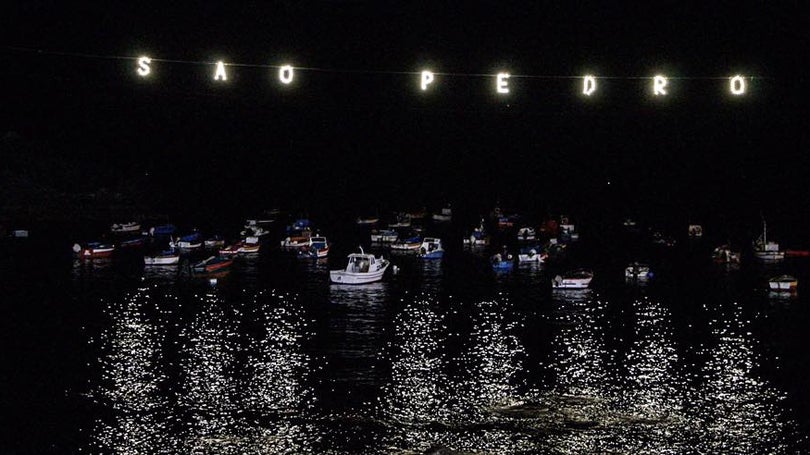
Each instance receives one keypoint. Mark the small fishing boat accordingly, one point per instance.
(445, 216)
(318, 248)
(531, 254)
(254, 231)
(364, 221)
(797, 253)
(723, 254)
(131, 226)
(409, 244)
(384, 236)
(637, 271)
(93, 250)
(783, 283)
(507, 221)
(192, 241)
(249, 247)
(431, 248)
(402, 220)
(162, 230)
(362, 268)
(212, 264)
(767, 250)
(501, 262)
(132, 243)
(526, 234)
(478, 236)
(168, 257)
(297, 239)
(214, 242)
(577, 279)
(232, 249)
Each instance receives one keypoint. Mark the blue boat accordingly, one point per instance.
(299, 225)
(431, 248)
(164, 229)
(501, 264)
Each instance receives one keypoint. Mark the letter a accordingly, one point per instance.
(220, 75)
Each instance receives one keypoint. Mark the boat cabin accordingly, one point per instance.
(360, 263)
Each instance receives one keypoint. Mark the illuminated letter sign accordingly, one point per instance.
(659, 84)
(143, 66)
(219, 74)
(502, 84)
(285, 74)
(737, 85)
(588, 85)
(427, 79)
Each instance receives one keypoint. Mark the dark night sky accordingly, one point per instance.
(347, 140)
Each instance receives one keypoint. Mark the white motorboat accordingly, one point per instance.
(638, 271)
(362, 268)
(531, 254)
(526, 234)
(409, 244)
(783, 283)
(767, 250)
(384, 236)
(577, 279)
(169, 257)
(131, 226)
(444, 216)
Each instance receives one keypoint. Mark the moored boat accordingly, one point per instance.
(131, 226)
(783, 283)
(318, 248)
(362, 268)
(367, 220)
(132, 243)
(531, 254)
(576, 279)
(162, 230)
(93, 250)
(384, 236)
(446, 215)
(231, 249)
(526, 234)
(723, 254)
(192, 241)
(168, 257)
(408, 244)
(765, 249)
(431, 248)
(214, 242)
(638, 271)
(212, 264)
(501, 262)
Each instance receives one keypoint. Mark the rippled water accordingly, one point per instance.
(274, 359)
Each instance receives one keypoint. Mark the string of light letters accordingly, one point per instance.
(659, 84)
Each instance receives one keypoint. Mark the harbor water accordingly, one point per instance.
(444, 356)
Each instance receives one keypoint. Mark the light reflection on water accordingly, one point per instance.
(265, 371)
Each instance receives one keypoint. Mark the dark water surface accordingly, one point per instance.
(108, 358)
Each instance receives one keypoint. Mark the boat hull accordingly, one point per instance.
(161, 260)
(344, 277)
(572, 284)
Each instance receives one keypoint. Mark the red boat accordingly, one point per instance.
(797, 253)
(93, 250)
(213, 264)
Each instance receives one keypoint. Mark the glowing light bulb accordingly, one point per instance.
(427, 79)
(219, 74)
(285, 74)
(143, 66)
(588, 85)
(737, 85)
(659, 85)
(502, 83)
